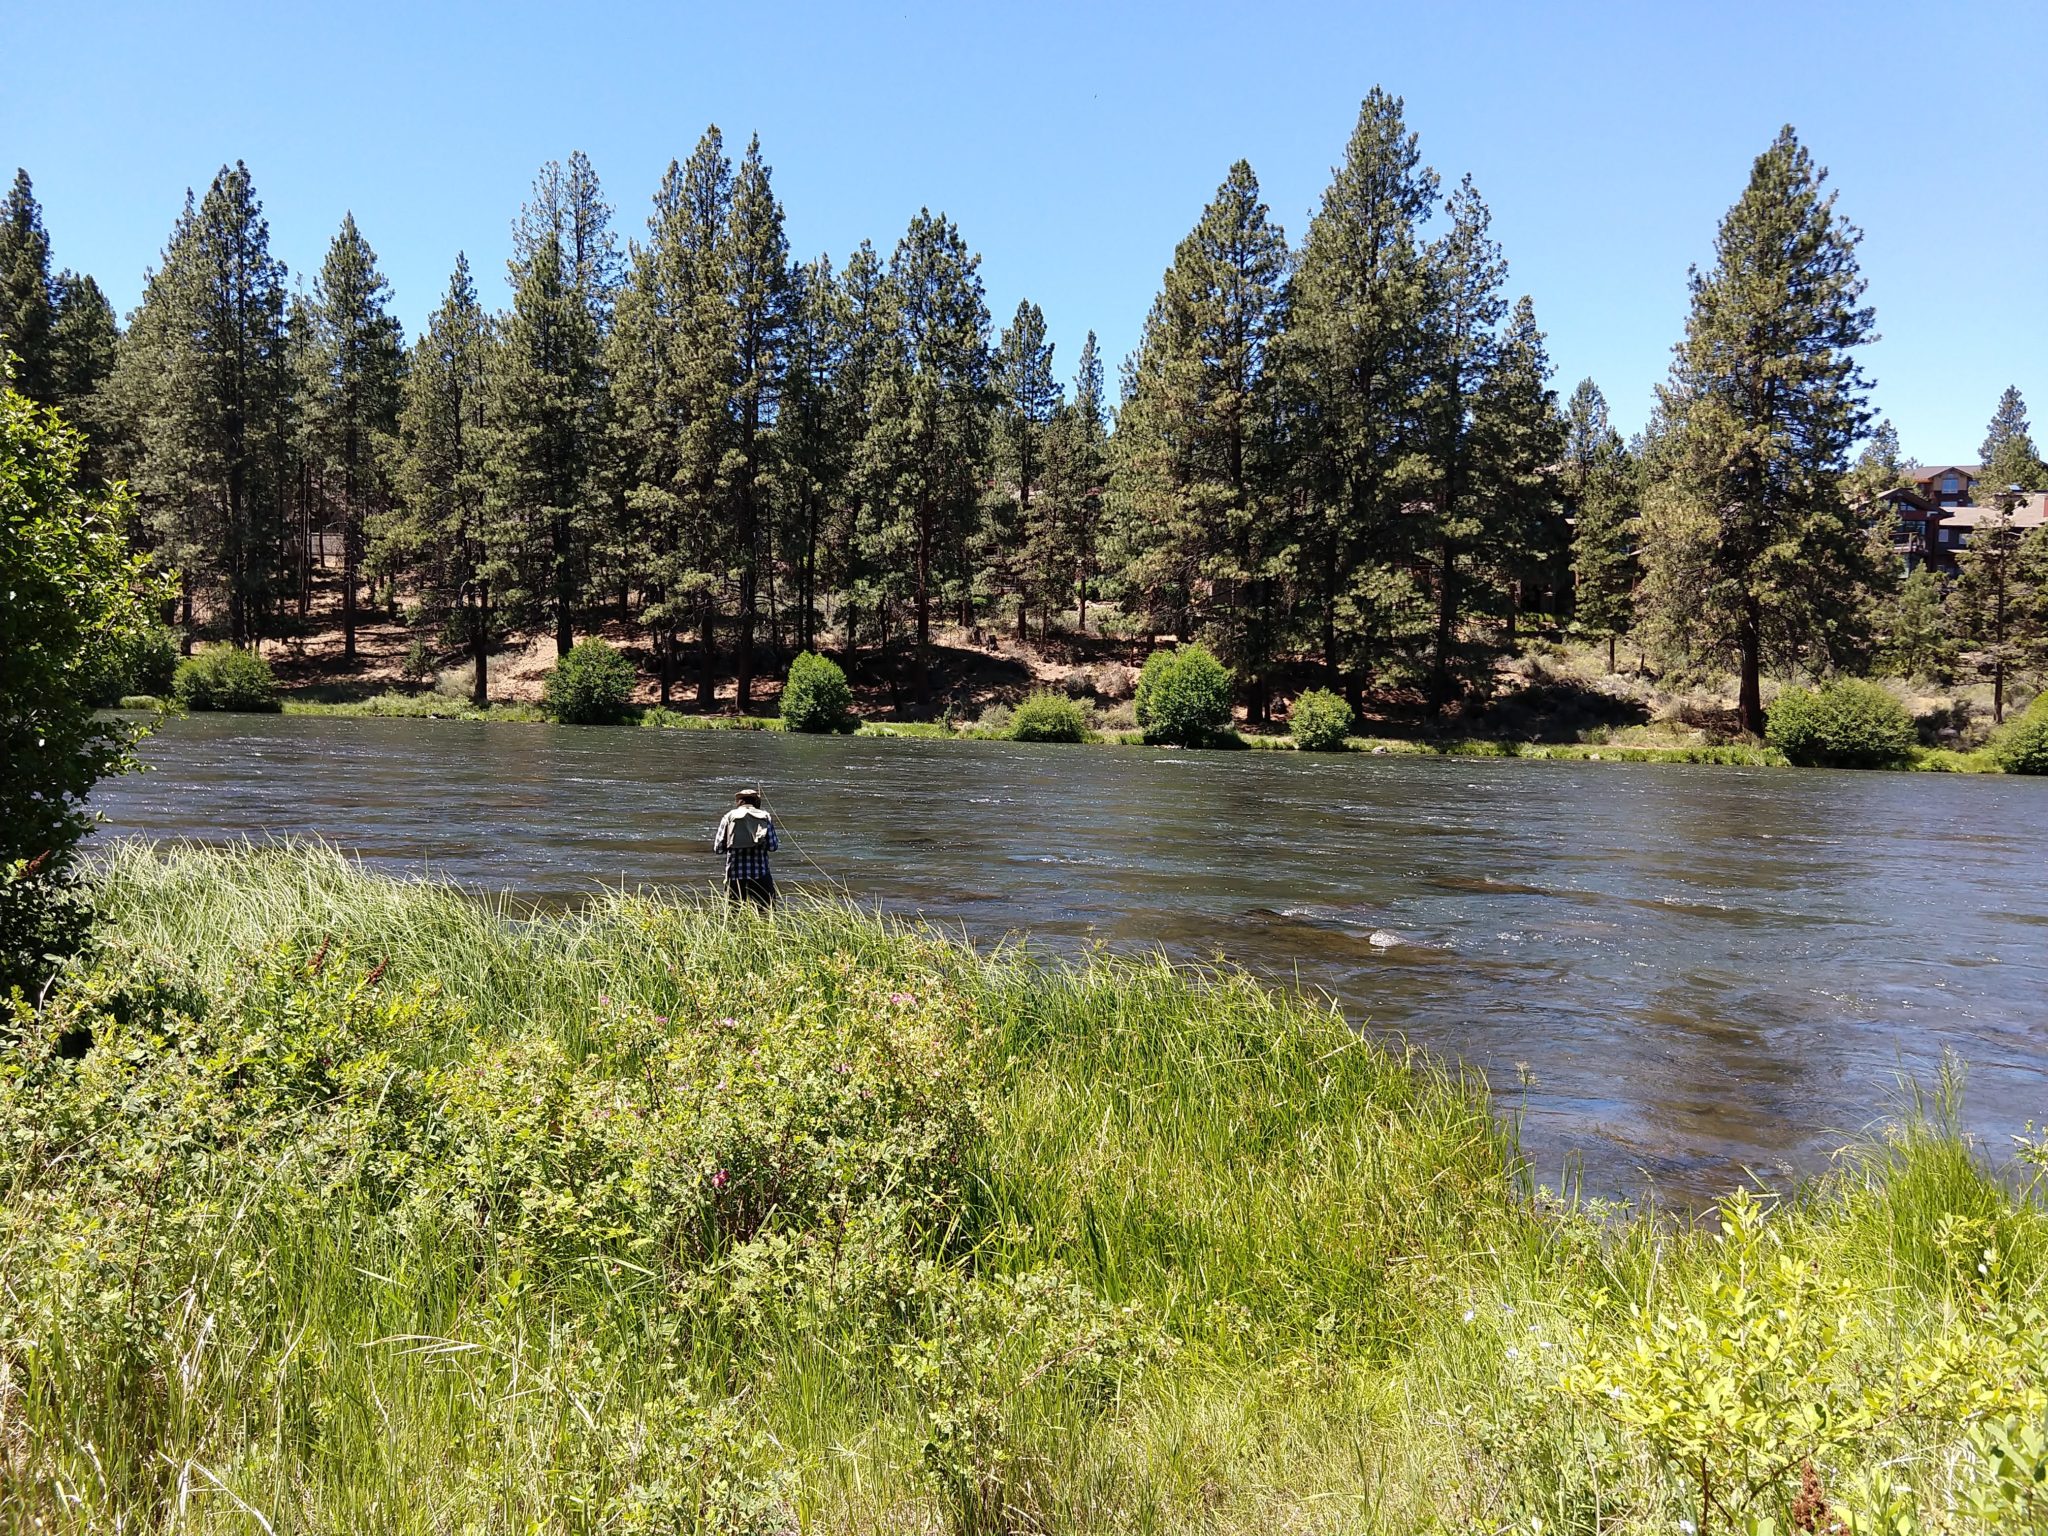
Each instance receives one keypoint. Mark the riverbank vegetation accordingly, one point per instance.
(337, 1203)
(1337, 460)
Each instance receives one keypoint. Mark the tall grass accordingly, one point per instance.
(339, 1203)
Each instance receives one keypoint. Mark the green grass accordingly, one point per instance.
(378, 1206)
(1734, 754)
(412, 706)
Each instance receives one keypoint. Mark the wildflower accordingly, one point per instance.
(1470, 1314)
(1688, 1527)
(1513, 1353)
(902, 999)
(720, 1179)
(730, 1023)
(661, 1018)
(604, 999)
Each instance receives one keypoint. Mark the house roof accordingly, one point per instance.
(1926, 474)
(2032, 512)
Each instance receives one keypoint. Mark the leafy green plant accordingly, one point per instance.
(592, 685)
(226, 677)
(419, 666)
(817, 698)
(1320, 721)
(1048, 717)
(140, 664)
(1845, 724)
(2021, 746)
(1183, 697)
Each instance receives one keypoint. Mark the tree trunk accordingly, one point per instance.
(565, 630)
(480, 657)
(348, 597)
(1749, 705)
(1610, 655)
(1440, 688)
(924, 609)
(707, 654)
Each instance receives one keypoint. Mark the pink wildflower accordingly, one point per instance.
(902, 999)
(730, 1023)
(720, 1179)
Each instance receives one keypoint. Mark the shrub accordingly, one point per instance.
(1184, 697)
(1048, 717)
(1319, 721)
(1846, 724)
(226, 678)
(592, 685)
(817, 697)
(419, 667)
(142, 663)
(73, 601)
(2021, 746)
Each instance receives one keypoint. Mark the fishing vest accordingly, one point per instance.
(746, 828)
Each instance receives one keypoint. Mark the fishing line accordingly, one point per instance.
(782, 829)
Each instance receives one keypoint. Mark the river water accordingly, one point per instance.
(1671, 973)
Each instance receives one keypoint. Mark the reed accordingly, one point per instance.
(339, 1203)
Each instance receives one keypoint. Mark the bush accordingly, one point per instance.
(592, 685)
(74, 602)
(143, 663)
(2021, 746)
(1184, 697)
(419, 667)
(1846, 724)
(1319, 721)
(1048, 717)
(226, 678)
(817, 697)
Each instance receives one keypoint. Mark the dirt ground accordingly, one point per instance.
(972, 670)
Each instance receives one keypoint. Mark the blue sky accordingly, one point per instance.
(1075, 144)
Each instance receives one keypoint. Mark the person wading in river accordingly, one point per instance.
(746, 837)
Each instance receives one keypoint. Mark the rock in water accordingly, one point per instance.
(1381, 939)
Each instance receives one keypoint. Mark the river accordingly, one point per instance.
(1672, 974)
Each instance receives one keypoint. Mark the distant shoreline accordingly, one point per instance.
(401, 706)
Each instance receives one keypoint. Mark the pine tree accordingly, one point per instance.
(2000, 598)
(1750, 547)
(862, 544)
(1018, 541)
(758, 293)
(934, 408)
(27, 297)
(1198, 468)
(814, 436)
(2008, 453)
(352, 365)
(1463, 273)
(1526, 546)
(84, 340)
(1598, 484)
(1880, 467)
(1357, 348)
(440, 532)
(1917, 638)
(1076, 457)
(548, 419)
(204, 391)
(672, 357)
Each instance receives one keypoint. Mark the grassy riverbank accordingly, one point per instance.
(337, 1204)
(401, 706)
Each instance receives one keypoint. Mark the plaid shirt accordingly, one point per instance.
(745, 863)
